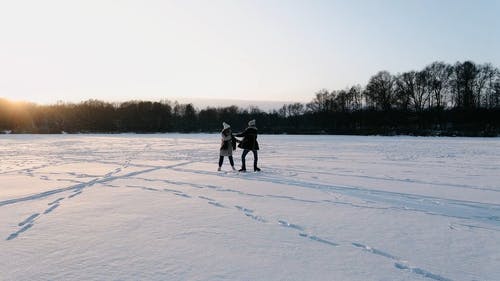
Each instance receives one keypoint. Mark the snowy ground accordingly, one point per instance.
(153, 207)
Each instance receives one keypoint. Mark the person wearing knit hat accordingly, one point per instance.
(249, 143)
(228, 144)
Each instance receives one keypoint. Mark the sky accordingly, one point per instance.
(258, 50)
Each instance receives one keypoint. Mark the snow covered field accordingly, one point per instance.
(153, 207)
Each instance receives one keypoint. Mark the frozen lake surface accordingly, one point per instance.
(153, 207)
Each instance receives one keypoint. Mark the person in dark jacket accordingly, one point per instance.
(249, 143)
(228, 144)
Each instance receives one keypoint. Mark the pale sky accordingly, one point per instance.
(247, 50)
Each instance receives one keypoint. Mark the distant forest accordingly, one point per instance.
(442, 99)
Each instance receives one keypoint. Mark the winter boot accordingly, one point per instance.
(256, 169)
(218, 169)
(243, 168)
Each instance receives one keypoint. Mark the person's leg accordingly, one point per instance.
(243, 155)
(231, 161)
(221, 160)
(255, 159)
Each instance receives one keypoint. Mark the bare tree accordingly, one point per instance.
(380, 91)
(493, 90)
(355, 92)
(405, 89)
(463, 80)
(495, 95)
(421, 95)
(483, 84)
(438, 83)
(295, 109)
(340, 100)
(321, 102)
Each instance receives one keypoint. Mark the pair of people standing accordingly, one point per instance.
(248, 143)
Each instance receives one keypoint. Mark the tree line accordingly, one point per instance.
(440, 99)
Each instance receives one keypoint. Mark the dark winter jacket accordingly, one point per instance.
(249, 140)
(225, 143)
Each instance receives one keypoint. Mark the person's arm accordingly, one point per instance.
(242, 134)
(235, 139)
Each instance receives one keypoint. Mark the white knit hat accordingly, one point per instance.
(225, 125)
(251, 123)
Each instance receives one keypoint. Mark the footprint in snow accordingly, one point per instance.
(317, 239)
(243, 209)
(374, 251)
(290, 225)
(216, 204)
(182, 195)
(249, 213)
(171, 190)
(75, 194)
(15, 234)
(420, 271)
(29, 219)
(401, 265)
(56, 201)
(255, 217)
(52, 208)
